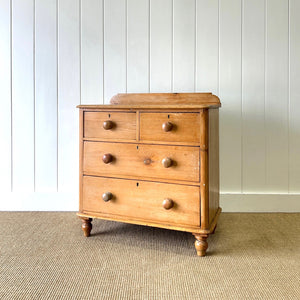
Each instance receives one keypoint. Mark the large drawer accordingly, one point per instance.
(170, 127)
(142, 200)
(110, 125)
(141, 160)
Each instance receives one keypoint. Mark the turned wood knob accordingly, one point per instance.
(167, 126)
(167, 162)
(107, 158)
(108, 125)
(168, 203)
(147, 161)
(107, 196)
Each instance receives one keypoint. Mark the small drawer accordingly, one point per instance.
(142, 200)
(170, 127)
(141, 160)
(110, 125)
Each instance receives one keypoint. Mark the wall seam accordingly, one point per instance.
(195, 48)
(103, 48)
(57, 91)
(242, 99)
(34, 99)
(11, 103)
(289, 93)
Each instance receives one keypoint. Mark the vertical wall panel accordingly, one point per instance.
(294, 129)
(45, 96)
(23, 94)
(68, 93)
(207, 55)
(5, 96)
(253, 94)
(276, 110)
(115, 29)
(138, 46)
(161, 46)
(184, 46)
(230, 95)
(91, 51)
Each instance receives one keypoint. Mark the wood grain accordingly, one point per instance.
(124, 125)
(166, 98)
(204, 180)
(141, 199)
(213, 163)
(185, 127)
(129, 159)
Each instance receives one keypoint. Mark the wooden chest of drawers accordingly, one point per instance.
(152, 159)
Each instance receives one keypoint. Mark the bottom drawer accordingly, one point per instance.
(141, 200)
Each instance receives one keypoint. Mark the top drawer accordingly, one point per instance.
(170, 127)
(110, 125)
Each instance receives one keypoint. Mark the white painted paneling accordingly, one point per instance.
(23, 94)
(161, 41)
(5, 96)
(91, 51)
(138, 46)
(45, 96)
(68, 93)
(230, 95)
(115, 48)
(184, 45)
(246, 52)
(207, 47)
(294, 109)
(253, 97)
(276, 107)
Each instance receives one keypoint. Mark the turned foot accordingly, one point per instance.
(86, 225)
(201, 243)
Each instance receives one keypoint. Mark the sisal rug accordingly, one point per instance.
(44, 255)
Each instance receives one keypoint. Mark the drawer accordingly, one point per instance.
(118, 125)
(142, 200)
(141, 160)
(170, 127)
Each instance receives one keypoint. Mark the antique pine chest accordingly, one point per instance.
(152, 159)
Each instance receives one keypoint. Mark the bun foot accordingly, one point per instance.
(86, 226)
(201, 243)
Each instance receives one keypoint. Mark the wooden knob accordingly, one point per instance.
(107, 158)
(167, 162)
(168, 203)
(147, 161)
(107, 196)
(167, 126)
(108, 125)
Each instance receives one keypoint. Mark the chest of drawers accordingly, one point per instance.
(152, 159)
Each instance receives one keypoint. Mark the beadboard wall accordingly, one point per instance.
(56, 54)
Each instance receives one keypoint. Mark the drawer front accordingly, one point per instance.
(145, 161)
(142, 200)
(170, 127)
(110, 125)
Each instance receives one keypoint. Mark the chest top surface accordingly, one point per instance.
(160, 101)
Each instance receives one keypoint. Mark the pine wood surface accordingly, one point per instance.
(142, 199)
(124, 125)
(185, 127)
(142, 161)
(152, 163)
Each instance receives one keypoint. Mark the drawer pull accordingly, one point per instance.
(107, 196)
(167, 162)
(167, 126)
(107, 158)
(168, 203)
(108, 125)
(147, 161)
